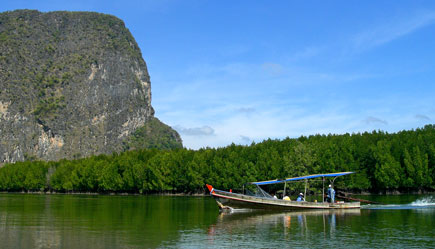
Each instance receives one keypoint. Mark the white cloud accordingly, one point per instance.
(263, 124)
(392, 30)
(273, 69)
(245, 139)
(246, 110)
(196, 131)
(374, 120)
(422, 117)
(306, 53)
(280, 120)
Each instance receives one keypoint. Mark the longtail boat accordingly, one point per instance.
(260, 199)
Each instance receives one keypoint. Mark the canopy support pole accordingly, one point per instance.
(285, 185)
(323, 190)
(305, 193)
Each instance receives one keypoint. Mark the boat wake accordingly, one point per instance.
(423, 203)
(427, 201)
(235, 210)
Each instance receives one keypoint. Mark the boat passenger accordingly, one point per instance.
(331, 194)
(286, 198)
(274, 196)
(300, 197)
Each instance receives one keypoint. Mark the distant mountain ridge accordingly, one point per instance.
(73, 84)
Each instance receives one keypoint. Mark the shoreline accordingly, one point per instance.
(101, 193)
(364, 193)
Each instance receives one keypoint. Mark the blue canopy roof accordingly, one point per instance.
(302, 178)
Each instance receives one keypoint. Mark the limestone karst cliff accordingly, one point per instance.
(73, 84)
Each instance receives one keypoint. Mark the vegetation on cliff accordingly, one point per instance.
(73, 84)
(153, 135)
(383, 161)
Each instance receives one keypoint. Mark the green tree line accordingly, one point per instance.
(383, 161)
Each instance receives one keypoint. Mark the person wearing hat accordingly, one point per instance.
(330, 194)
(300, 197)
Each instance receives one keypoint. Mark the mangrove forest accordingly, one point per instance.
(402, 161)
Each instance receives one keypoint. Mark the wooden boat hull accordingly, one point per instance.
(227, 200)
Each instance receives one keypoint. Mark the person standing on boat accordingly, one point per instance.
(331, 194)
(300, 197)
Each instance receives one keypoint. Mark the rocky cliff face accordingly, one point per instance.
(72, 84)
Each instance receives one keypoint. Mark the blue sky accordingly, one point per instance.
(244, 71)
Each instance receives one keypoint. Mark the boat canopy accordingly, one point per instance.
(302, 178)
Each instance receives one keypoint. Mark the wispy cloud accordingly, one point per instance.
(196, 131)
(422, 117)
(246, 110)
(272, 68)
(227, 126)
(245, 139)
(391, 31)
(303, 93)
(374, 120)
(306, 53)
(267, 123)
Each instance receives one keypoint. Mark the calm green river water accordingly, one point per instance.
(82, 221)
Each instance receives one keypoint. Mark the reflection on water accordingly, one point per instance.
(247, 219)
(296, 224)
(355, 228)
(79, 221)
(66, 221)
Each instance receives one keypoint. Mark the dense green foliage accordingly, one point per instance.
(153, 135)
(383, 161)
